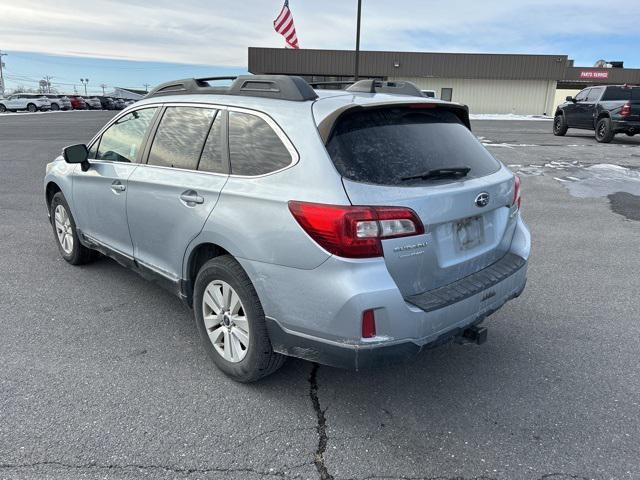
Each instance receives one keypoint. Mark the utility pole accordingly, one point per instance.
(1, 75)
(103, 86)
(146, 87)
(358, 42)
(47, 80)
(84, 82)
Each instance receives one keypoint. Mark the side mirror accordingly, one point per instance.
(570, 99)
(77, 154)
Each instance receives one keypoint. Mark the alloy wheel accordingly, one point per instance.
(63, 229)
(226, 321)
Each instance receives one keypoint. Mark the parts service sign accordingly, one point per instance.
(594, 74)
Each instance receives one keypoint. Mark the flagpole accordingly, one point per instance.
(358, 42)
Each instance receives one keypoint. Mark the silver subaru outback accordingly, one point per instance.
(347, 227)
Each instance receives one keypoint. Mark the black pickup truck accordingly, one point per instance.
(606, 109)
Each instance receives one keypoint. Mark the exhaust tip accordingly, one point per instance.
(477, 335)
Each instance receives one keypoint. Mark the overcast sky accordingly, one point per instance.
(217, 33)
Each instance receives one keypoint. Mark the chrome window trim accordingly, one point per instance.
(295, 156)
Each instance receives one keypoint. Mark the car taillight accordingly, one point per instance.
(516, 192)
(354, 231)
(626, 110)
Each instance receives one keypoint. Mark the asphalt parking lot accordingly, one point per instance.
(102, 374)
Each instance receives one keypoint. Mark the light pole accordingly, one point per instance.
(84, 82)
(103, 86)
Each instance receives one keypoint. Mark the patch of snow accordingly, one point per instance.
(508, 116)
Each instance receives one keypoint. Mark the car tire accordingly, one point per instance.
(2, 108)
(604, 131)
(560, 126)
(65, 233)
(233, 329)
(32, 108)
(55, 107)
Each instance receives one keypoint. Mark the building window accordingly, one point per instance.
(446, 94)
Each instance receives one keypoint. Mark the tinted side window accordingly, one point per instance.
(213, 158)
(594, 94)
(122, 141)
(180, 137)
(582, 96)
(388, 146)
(254, 148)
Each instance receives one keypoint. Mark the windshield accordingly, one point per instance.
(388, 145)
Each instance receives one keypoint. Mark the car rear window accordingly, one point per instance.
(383, 146)
(617, 93)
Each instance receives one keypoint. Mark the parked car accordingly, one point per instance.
(607, 110)
(119, 103)
(93, 103)
(24, 101)
(343, 227)
(77, 102)
(59, 102)
(107, 103)
(429, 93)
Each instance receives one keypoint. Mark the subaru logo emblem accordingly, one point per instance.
(482, 200)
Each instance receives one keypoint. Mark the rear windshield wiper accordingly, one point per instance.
(450, 172)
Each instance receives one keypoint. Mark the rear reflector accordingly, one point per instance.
(353, 231)
(368, 324)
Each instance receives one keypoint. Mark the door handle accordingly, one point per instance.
(118, 187)
(191, 198)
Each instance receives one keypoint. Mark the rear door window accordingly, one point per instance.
(254, 147)
(121, 142)
(180, 137)
(594, 95)
(213, 158)
(383, 146)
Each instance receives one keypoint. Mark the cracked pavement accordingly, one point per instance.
(102, 374)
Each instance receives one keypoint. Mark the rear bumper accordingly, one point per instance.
(316, 314)
(379, 353)
(626, 126)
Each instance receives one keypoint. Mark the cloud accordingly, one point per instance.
(219, 32)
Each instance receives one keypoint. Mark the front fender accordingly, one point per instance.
(60, 173)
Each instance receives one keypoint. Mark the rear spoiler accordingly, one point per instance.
(325, 127)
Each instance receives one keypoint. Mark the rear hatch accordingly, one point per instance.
(387, 156)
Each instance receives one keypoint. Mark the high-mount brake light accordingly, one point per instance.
(423, 105)
(354, 231)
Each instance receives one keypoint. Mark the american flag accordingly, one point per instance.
(285, 27)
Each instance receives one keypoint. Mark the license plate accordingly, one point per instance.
(469, 232)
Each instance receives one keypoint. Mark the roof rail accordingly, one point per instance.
(283, 87)
(377, 86)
